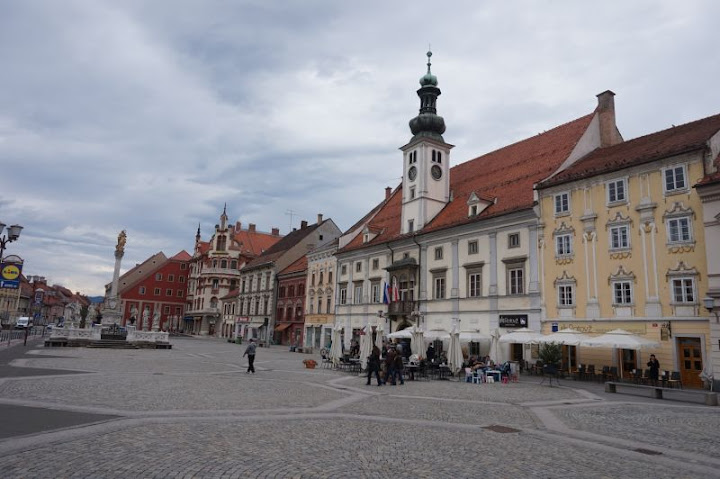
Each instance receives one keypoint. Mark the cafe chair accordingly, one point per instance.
(675, 380)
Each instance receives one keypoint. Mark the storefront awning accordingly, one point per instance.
(282, 327)
(253, 324)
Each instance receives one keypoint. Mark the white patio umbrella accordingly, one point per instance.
(455, 355)
(567, 336)
(336, 347)
(366, 345)
(474, 337)
(494, 335)
(379, 335)
(435, 335)
(402, 334)
(620, 339)
(416, 342)
(521, 336)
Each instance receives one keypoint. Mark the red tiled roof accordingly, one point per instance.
(254, 242)
(297, 266)
(506, 175)
(285, 243)
(232, 294)
(182, 256)
(665, 143)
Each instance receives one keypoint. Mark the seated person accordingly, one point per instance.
(442, 358)
(479, 365)
(471, 362)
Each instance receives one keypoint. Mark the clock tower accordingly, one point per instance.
(426, 160)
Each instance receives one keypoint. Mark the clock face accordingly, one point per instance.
(112, 304)
(436, 172)
(412, 173)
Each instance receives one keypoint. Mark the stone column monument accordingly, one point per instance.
(111, 313)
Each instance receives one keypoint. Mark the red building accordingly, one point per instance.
(290, 305)
(156, 289)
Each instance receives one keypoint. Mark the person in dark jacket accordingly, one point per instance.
(430, 353)
(390, 365)
(654, 371)
(250, 353)
(398, 370)
(373, 366)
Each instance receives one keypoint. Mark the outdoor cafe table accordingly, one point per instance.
(411, 369)
(443, 372)
(494, 373)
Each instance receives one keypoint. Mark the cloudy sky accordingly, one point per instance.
(149, 116)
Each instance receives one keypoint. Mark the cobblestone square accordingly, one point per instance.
(193, 412)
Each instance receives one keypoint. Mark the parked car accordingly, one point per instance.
(23, 322)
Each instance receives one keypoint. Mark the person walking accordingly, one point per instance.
(654, 371)
(250, 353)
(398, 370)
(390, 365)
(373, 366)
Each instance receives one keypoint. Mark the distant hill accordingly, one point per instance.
(96, 299)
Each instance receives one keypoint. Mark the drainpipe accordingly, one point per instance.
(420, 273)
(392, 260)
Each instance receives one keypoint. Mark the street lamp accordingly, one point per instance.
(709, 304)
(13, 233)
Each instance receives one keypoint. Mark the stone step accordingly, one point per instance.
(111, 344)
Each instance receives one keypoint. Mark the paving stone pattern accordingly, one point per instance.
(193, 412)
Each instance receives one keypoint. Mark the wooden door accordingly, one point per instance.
(628, 361)
(569, 358)
(516, 352)
(690, 362)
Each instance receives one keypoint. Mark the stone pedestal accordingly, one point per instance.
(110, 315)
(110, 311)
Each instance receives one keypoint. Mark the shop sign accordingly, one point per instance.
(607, 326)
(513, 321)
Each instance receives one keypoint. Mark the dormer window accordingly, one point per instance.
(477, 205)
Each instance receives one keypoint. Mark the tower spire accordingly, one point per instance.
(428, 123)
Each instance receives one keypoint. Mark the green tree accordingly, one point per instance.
(550, 353)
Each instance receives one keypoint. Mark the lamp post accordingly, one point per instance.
(13, 233)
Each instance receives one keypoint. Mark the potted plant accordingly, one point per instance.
(551, 356)
(310, 363)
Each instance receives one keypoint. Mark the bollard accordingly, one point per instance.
(26, 335)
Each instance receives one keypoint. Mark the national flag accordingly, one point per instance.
(386, 294)
(395, 291)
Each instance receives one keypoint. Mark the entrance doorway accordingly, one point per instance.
(628, 361)
(569, 358)
(516, 352)
(690, 361)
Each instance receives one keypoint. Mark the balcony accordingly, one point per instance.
(401, 307)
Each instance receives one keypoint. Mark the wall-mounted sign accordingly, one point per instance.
(513, 321)
(10, 275)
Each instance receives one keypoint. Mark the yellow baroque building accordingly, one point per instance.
(622, 246)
